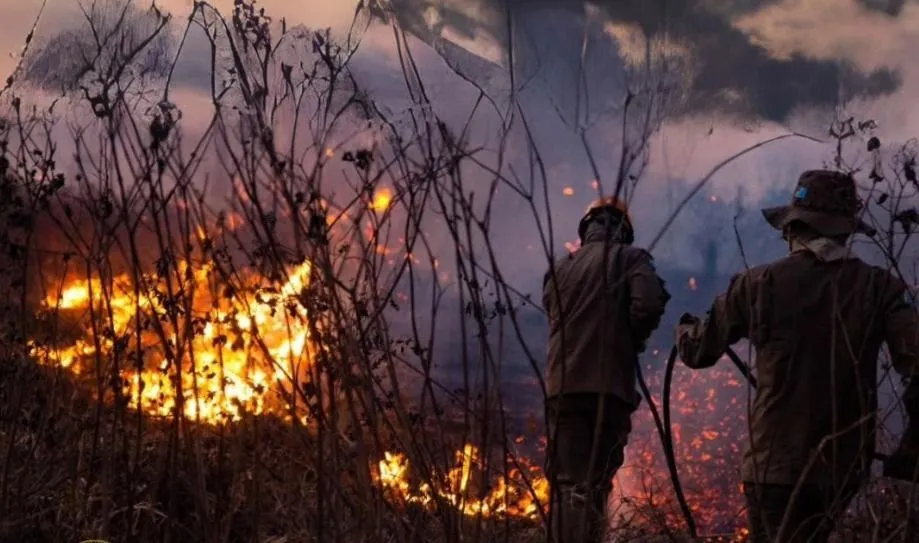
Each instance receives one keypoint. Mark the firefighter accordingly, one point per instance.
(603, 302)
(816, 320)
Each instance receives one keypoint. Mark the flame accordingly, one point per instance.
(218, 361)
(382, 199)
(511, 495)
(568, 191)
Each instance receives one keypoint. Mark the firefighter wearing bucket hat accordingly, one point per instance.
(603, 303)
(816, 319)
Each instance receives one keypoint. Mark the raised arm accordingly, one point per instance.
(701, 343)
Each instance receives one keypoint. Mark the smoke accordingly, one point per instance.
(775, 78)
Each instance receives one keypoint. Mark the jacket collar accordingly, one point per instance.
(598, 231)
(825, 249)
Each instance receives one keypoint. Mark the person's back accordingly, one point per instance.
(817, 319)
(598, 317)
(817, 329)
(603, 302)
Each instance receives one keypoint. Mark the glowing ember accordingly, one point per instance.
(573, 246)
(212, 357)
(709, 429)
(381, 199)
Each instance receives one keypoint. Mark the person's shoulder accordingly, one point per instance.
(884, 272)
(561, 262)
(748, 279)
(754, 273)
(636, 255)
(785, 266)
(889, 280)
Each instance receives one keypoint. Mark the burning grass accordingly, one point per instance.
(207, 349)
(520, 494)
(227, 353)
(230, 352)
(261, 462)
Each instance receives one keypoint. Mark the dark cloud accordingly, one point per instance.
(731, 74)
(890, 7)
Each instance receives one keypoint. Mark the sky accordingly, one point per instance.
(743, 70)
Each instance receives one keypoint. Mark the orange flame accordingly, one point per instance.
(243, 346)
(382, 199)
(510, 495)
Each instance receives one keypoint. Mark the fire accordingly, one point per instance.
(218, 361)
(568, 191)
(223, 355)
(511, 495)
(381, 199)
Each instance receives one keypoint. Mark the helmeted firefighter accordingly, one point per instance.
(816, 319)
(603, 303)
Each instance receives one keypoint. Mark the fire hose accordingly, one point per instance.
(665, 427)
(665, 433)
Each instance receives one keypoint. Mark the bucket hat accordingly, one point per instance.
(825, 200)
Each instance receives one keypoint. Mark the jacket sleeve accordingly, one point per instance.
(647, 297)
(701, 343)
(901, 331)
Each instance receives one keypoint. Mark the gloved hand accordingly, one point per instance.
(688, 318)
(686, 323)
(685, 346)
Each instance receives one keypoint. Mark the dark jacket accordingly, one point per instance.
(603, 302)
(816, 321)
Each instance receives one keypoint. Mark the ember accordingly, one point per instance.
(381, 200)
